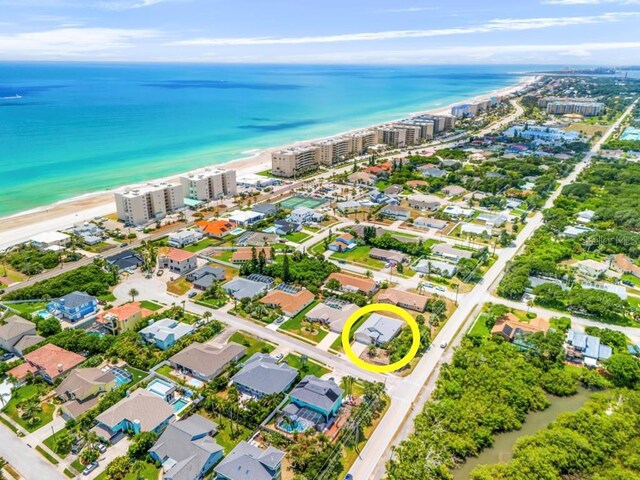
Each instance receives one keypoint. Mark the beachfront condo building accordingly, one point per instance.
(208, 184)
(398, 135)
(426, 125)
(146, 203)
(334, 150)
(565, 107)
(361, 141)
(474, 108)
(295, 161)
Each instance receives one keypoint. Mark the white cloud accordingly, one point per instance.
(70, 42)
(496, 25)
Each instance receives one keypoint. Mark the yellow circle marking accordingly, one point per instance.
(415, 331)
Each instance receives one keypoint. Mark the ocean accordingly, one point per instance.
(67, 129)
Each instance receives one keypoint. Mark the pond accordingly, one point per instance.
(502, 448)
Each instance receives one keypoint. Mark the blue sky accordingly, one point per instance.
(565, 32)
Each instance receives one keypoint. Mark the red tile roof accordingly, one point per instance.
(50, 359)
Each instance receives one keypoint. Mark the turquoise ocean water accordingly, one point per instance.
(80, 128)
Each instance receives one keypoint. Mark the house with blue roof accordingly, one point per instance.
(587, 349)
(73, 306)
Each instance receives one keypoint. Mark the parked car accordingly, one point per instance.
(279, 357)
(441, 289)
(192, 294)
(101, 447)
(198, 324)
(77, 446)
(90, 468)
(348, 477)
(444, 345)
(123, 245)
(160, 272)
(6, 357)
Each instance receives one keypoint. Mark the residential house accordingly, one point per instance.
(284, 227)
(455, 211)
(433, 172)
(424, 202)
(186, 449)
(183, 238)
(393, 190)
(411, 301)
(344, 243)
(18, 334)
(176, 260)
(123, 318)
(49, 361)
(378, 330)
(73, 306)
(262, 375)
(454, 190)
(257, 239)
(204, 277)
(241, 287)
(141, 411)
(166, 332)
(267, 209)
(50, 241)
(82, 389)
(351, 283)
(623, 264)
(473, 229)
(586, 216)
(391, 256)
(289, 299)
(246, 217)
(305, 216)
(427, 222)
(125, 260)
(205, 361)
(348, 207)
(587, 349)
(358, 230)
(572, 231)
(435, 267)
(248, 462)
(361, 178)
(216, 228)
(492, 220)
(590, 269)
(395, 212)
(245, 254)
(510, 326)
(321, 396)
(333, 314)
(451, 253)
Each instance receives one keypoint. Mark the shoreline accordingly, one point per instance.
(65, 213)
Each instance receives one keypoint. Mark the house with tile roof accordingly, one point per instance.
(248, 462)
(49, 361)
(176, 260)
(186, 449)
(18, 334)
(623, 264)
(262, 375)
(291, 303)
(216, 228)
(403, 299)
(124, 317)
(205, 361)
(242, 255)
(352, 283)
(510, 326)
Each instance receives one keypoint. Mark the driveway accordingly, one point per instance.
(149, 289)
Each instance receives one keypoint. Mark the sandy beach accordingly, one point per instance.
(61, 215)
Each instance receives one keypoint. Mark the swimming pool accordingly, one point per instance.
(122, 376)
(270, 230)
(179, 404)
(43, 314)
(237, 231)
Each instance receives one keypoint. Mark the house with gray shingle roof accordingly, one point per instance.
(261, 375)
(248, 462)
(186, 449)
(73, 306)
(206, 361)
(322, 396)
(17, 334)
(378, 330)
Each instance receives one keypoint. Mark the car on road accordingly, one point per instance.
(441, 289)
(123, 245)
(444, 345)
(428, 285)
(90, 468)
(160, 272)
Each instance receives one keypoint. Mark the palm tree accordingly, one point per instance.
(137, 468)
(133, 293)
(347, 383)
(207, 315)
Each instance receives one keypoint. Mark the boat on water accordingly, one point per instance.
(15, 97)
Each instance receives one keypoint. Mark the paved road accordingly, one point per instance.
(371, 464)
(25, 460)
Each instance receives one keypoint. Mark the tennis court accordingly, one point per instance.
(301, 201)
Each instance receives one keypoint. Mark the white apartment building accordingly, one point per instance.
(143, 204)
(587, 109)
(334, 150)
(361, 141)
(295, 161)
(209, 184)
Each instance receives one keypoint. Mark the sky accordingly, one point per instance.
(559, 32)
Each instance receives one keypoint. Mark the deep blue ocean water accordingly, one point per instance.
(80, 128)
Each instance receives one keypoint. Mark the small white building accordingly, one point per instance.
(574, 230)
(473, 229)
(246, 217)
(435, 267)
(304, 215)
(591, 269)
(183, 238)
(455, 211)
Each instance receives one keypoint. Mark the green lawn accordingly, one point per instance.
(230, 433)
(296, 324)
(201, 245)
(224, 255)
(631, 278)
(149, 472)
(166, 371)
(297, 237)
(46, 455)
(24, 393)
(137, 374)
(108, 297)
(179, 287)
(50, 442)
(28, 308)
(337, 343)
(310, 367)
(359, 255)
(153, 306)
(252, 344)
(319, 247)
(77, 466)
(479, 327)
